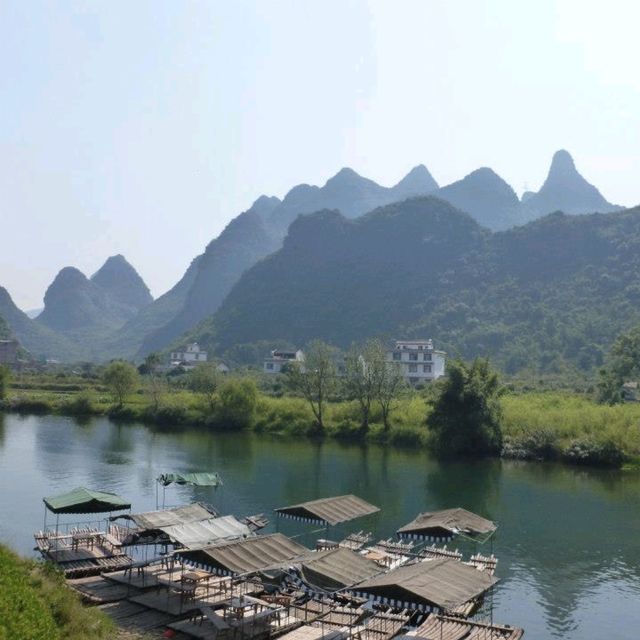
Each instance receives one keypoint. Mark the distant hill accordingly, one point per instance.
(486, 197)
(548, 295)
(122, 283)
(87, 310)
(39, 340)
(350, 193)
(564, 190)
(259, 231)
(244, 241)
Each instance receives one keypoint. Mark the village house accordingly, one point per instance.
(188, 357)
(9, 351)
(418, 361)
(278, 359)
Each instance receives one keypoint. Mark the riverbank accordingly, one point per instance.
(35, 603)
(536, 425)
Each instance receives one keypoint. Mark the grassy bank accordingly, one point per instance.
(536, 425)
(35, 604)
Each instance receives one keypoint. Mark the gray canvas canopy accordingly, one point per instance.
(246, 556)
(329, 511)
(445, 524)
(435, 584)
(151, 520)
(83, 500)
(337, 568)
(202, 533)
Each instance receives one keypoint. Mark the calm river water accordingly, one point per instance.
(568, 539)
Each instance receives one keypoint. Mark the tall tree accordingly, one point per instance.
(361, 379)
(121, 378)
(388, 379)
(466, 416)
(315, 378)
(205, 380)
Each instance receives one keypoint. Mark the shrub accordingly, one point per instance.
(602, 454)
(82, 404)
(237, 404)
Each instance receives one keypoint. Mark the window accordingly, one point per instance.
(397, 355)
(427, 357)
(426, 368)
(413, 356)
(270, 365)
(413, 368)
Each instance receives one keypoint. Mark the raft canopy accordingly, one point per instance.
(151, 520)
(335, 569)
(442, 583)
(446, 524)
(206, 532)
(246, 556)
(329, 511)
(83, 500)
(199, 479)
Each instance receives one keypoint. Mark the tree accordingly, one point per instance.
(361, 379)
(121, 379)
(315, 379)
(150, 364)
(205, 380)
(467, 414)
(5, 375)
(237, 403)
(624, 366)
(388, 380)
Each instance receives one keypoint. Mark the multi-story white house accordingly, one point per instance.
(278, 359)
(190, 356)
(419, 362)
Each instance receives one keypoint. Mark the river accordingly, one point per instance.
(568, 541)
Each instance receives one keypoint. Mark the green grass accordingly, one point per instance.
(35, 604)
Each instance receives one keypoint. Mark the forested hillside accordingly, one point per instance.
(549, 295)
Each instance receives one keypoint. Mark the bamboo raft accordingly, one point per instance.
(437, 627)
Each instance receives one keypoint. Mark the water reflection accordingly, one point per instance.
(568, 540)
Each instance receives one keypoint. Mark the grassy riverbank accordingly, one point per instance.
(35, 603)
(536, 425)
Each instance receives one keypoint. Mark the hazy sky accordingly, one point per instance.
(142, 128)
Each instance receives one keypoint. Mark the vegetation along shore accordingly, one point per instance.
(469, 412)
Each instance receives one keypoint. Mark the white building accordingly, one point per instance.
(419, 362)
(278, 359)
(190, 356)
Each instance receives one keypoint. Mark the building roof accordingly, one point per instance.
(330, 510)
(194, 535)
(199, 479)
(82, 500)
(168, 517)
(337, 568)
(445, 583)
(455, 521)
(247, 556)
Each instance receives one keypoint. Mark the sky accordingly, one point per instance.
(144, 127)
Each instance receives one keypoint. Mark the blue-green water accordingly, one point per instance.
(568, 538)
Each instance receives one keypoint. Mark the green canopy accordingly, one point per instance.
(196, 479)
(82, 500)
